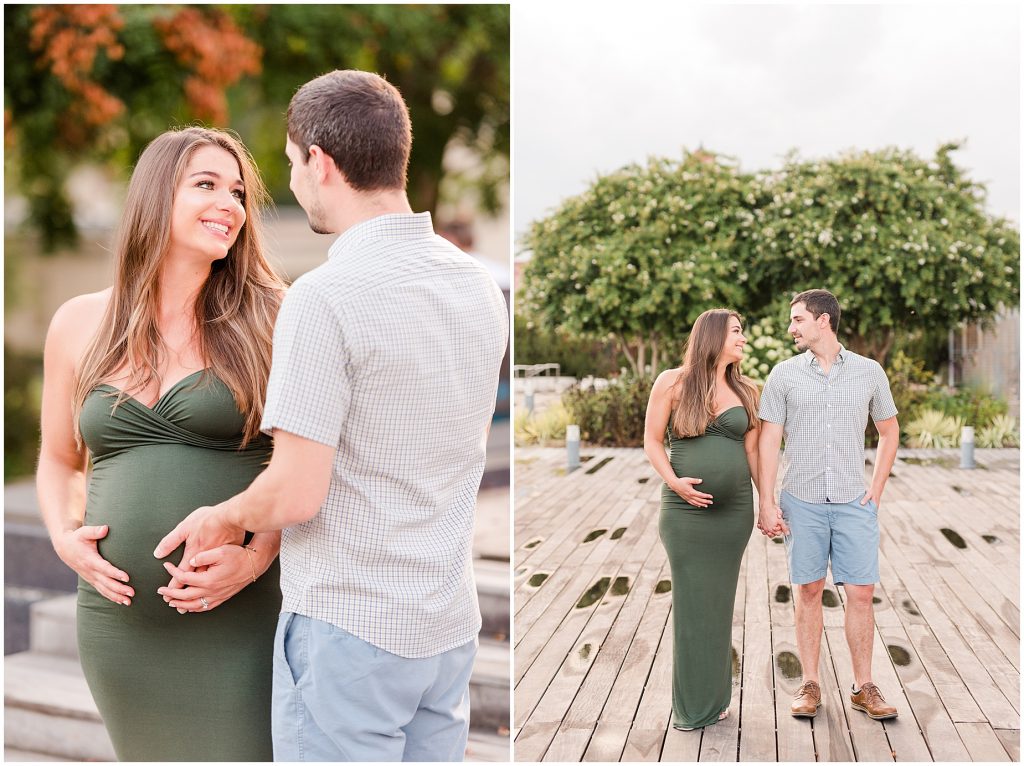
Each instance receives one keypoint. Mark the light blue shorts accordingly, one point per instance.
(846, 533)
(339, 698)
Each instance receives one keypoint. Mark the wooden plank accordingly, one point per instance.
(950, 687)
(939, 733)
(608, 664)
(561, 552)
(569, 743)
(607, 742)
(590, 496)
(906, 742)
(867, 736)
(721, 740)
(637, 672)
(757, 710)
(997, 709)
(574, 553)
(533, 740)
(795, 736)
(1000, 670)
(562, 620)
(981, 742)
(655, 708)
(947, 620)
(930, 547)
(1010, 740)
(682, 746)
(831, 726)
(563, 688)
(643, 745)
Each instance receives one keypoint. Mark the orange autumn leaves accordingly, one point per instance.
(211, 46)
(68, 37)
(206, 43)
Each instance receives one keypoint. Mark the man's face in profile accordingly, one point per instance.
(304, 186)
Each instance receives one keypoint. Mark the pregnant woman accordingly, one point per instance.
(160, 382)
(707, 507)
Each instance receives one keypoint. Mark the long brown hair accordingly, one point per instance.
(236, 306)
(696, 408)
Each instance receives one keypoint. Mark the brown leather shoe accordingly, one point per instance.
(806, 700)
(870, 700)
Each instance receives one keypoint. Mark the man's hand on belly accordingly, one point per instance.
(202, 530)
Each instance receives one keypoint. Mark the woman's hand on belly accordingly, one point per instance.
(684, 487)
(77, 548)
(220, 574)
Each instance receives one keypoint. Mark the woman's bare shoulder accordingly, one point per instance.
(668, 378)
(77, 320)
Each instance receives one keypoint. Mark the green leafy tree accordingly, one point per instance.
(97, 82)
(903, 242)
(450, 62)
(645, 250)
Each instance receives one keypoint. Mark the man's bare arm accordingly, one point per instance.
(290, 491)
(885, 456)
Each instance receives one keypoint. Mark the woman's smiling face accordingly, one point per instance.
(209, 208)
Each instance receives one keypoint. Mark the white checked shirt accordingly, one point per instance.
(824, 419)
(390, 352)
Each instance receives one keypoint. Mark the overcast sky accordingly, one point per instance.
(598, 87)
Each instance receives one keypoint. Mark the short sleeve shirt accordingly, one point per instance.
(390, 353)
(824, 418)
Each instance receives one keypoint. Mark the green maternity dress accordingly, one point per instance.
(169, 686)
(705, 546)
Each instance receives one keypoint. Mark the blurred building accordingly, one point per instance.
(989, 360)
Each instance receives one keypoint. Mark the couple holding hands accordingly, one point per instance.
(722, 434)
(274, 545)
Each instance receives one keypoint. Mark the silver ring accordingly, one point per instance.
(204, 602)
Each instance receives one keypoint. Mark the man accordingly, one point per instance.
(820, 402)
(381, 391)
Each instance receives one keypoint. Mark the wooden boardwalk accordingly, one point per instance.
(593, 636)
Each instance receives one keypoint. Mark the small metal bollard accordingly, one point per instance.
(529, 398)
(572, 447)
(967, 447)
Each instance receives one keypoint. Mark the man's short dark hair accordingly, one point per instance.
(820, 302)
(360, 120)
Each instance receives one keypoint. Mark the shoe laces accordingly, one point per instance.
(873, 693)
(807, 687)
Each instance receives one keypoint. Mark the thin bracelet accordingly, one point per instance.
(249, 551)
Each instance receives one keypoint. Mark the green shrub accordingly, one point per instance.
(931, 429)
(578, 359)
(545, 429)
(909, 382)
(1001, 432)
(612, 416)
(765, 349)
(23, 381)
(973, 407)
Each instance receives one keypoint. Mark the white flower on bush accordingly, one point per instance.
(765, 350)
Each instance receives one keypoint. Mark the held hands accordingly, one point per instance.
(219, 574)
(202, 530)
(770, 521)
(78, 549)
(684, 487)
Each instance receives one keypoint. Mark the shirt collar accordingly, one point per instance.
(812, 360)
(396, 226)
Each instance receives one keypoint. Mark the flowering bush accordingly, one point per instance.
(903, 242)
(767, 345)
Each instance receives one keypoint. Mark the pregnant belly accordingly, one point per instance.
(143, 493)
(720, 463)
